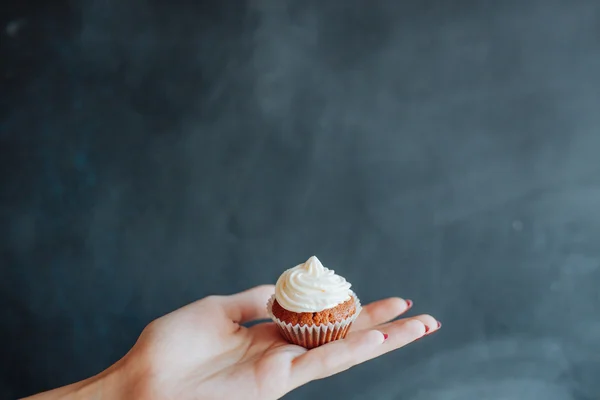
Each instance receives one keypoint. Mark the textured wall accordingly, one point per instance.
(447, 152)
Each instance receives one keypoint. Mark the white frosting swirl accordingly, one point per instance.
(310, 287)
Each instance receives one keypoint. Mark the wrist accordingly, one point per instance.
(123, 380)
(109, 384)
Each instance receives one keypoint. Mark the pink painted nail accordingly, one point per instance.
(426, 330)
(439, 324)
(385, 336)
(409, 304)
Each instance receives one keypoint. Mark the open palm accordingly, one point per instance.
(202, 351)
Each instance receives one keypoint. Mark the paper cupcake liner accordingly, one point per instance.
(311, 336)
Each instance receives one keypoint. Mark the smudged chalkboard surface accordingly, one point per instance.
(447, 152)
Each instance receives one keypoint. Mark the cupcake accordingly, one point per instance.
(312, 305)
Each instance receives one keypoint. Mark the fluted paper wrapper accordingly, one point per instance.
(311, 336)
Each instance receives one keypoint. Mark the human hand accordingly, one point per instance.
(203, 351)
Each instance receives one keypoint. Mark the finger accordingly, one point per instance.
(380, 312)
(430, 323)
(357, 348)
(248, 305)
(336, 356)
(404, 331)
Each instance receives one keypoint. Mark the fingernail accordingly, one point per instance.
(428, 331)
(409, 304)
(385, 336)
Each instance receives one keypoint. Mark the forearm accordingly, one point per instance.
(109, 384)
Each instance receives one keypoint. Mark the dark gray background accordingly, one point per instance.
(447, 152)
